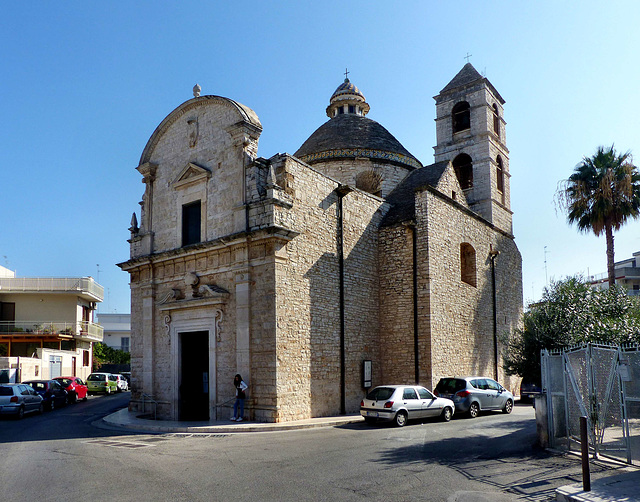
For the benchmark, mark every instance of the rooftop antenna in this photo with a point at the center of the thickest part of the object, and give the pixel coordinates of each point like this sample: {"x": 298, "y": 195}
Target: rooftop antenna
{"x": 98, "y": 282}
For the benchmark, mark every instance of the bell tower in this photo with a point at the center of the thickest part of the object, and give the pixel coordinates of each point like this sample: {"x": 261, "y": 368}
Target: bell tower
{"x": 471, "y": 133}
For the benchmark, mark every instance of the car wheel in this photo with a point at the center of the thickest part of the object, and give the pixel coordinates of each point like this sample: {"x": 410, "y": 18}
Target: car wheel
{"x": 41, "y": 409}
{"x": 20, "y": 414}
{"x": 446, "y": 414}
{"x": 52, "y": 404}
{"x": 108, "y": 390}
{"x": 508, "y": 407}
{"x": 85, "y": 397}
{"x": 474, "y": 410}
{"x": 72, "y": 398}
{"x": 401, "y": 419}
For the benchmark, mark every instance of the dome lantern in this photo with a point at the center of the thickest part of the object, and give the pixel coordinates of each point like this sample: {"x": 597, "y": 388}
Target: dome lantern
{"x": 347, "y": 99}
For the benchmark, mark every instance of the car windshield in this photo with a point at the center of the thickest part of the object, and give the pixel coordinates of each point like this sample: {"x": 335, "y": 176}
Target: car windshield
{"x": 450, "y": 385}
{"x": 95, "y": 378}
{"x": 6, "y": 391}
{"x": 380, "y": 393}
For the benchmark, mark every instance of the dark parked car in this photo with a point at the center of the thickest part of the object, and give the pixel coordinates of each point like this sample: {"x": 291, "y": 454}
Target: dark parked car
{"x": 18, "y": 399}
{"x": 529, "y": 389}
{"x": 53, "y": 394}
{"x": 76, "y": 388}
{"x": 473, "y": 394}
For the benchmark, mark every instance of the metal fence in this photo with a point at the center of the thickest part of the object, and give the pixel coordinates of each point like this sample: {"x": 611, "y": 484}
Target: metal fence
{"x": 601, "y": 382}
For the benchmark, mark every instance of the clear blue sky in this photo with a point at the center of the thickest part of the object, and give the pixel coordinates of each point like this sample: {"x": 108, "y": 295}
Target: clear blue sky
{"x": 84, "y": 85}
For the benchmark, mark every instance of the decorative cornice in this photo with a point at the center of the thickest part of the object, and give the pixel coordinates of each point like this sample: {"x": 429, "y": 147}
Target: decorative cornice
{"x": 239, "y": 238}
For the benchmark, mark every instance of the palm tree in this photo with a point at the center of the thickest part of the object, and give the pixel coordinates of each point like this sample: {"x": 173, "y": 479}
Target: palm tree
{"x": 601, "y": 195}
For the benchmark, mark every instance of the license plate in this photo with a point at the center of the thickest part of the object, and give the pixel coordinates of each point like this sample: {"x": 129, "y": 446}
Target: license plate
{"x": 372, "y": 414}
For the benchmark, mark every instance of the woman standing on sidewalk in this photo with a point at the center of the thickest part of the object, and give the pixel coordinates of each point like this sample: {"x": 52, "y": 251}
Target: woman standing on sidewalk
{"x": 241, "y": 387}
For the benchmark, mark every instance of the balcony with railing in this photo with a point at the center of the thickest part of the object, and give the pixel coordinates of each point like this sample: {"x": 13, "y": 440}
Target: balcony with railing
{"x": 82, "y": 286}
{"x": 79, "y": 330}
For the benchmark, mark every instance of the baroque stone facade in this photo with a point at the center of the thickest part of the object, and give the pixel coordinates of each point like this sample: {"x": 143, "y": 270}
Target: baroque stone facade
{"x": 294, "y": 270}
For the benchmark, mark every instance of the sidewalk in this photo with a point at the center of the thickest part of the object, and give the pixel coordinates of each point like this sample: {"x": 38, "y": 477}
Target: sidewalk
{"x": 129, "y": 420}
{"x": 619, "y": 487}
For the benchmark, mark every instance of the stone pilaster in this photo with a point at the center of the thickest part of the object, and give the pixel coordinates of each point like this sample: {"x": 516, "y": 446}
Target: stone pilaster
{"x": 243, "y": 317}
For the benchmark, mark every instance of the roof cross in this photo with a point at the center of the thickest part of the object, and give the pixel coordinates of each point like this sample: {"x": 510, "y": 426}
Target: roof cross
{"x": 346, "y": 74}
{"x": 468, "y": 56}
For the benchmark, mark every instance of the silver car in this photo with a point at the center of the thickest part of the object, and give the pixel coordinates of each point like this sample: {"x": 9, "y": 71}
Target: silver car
{"x": 18, "y": 399}
{"x": 473, "y": 394}
{"x": 399, "y": 403}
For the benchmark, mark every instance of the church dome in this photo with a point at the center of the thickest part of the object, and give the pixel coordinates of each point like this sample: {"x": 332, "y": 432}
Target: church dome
{"x": 354, "y": 136}
{"x": 349, "y": 134}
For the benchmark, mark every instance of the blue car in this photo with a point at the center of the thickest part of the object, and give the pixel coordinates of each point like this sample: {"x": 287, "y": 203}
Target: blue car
{"x": 53, "y": 394}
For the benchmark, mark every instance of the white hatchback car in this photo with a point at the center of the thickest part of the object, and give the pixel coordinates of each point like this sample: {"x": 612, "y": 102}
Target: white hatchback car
{"x": 399, "y": 403}
{"x": 121, "y": 383}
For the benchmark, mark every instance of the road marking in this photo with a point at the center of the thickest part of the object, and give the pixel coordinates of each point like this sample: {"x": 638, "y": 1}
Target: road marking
{"x": 118, "y": 444}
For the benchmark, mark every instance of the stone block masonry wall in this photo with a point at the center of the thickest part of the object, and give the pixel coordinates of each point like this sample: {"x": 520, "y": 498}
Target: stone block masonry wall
{"x": 460, "y": 318}
{"x": 346, "y": 170}
{"x": 308, "y": 289}
{"x": 396, "y": 307}
{"x": 362, "y": 215}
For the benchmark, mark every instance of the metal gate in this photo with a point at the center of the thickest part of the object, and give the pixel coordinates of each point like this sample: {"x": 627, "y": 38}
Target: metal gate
{"x": 55, "y": 366}
{"x": 600, "y": 382}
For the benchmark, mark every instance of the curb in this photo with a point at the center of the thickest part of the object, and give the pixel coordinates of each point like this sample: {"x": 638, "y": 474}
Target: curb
{"x": 127, "y": 420}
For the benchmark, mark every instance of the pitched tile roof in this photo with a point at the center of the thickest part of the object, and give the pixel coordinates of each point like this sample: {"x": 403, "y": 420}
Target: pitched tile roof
{"x": 402, "y": 198}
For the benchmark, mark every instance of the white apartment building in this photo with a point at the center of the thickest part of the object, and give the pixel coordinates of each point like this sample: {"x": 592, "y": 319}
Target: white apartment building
{"x": 47, "y": 326}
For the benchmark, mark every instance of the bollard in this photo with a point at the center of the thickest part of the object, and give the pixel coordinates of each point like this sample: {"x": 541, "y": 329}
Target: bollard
{"x": 584, "y": 445}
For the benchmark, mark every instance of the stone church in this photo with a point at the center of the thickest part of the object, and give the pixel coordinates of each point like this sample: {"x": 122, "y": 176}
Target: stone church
{"x": 315, "y": 275}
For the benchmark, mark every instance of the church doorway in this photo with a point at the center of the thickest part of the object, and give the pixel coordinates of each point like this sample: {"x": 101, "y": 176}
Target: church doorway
{"x": 194, "y": 376}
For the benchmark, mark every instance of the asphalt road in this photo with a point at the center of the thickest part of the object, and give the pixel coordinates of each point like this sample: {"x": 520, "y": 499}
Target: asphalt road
{"x": 67, "y": 455}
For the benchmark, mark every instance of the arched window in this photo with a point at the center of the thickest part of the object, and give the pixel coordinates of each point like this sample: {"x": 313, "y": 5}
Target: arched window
{"x": 496, "y": 120}
{"x": 461, "y": 115}
{"x": 369, "y": 181}
{"x": 468, "y": 264}
{"x": 463, "y": 168}
{"x": 500, "y": 174}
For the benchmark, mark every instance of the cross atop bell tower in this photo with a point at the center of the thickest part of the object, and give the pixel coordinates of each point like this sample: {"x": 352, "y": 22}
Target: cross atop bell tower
{"x": 471, "y": 134}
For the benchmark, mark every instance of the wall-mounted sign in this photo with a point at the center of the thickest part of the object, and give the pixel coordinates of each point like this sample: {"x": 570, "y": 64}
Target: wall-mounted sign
{"x": 366, "y": 374}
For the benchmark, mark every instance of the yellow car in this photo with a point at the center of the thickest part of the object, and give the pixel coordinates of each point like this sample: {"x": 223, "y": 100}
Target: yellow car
{"x": 102, "y": 382}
